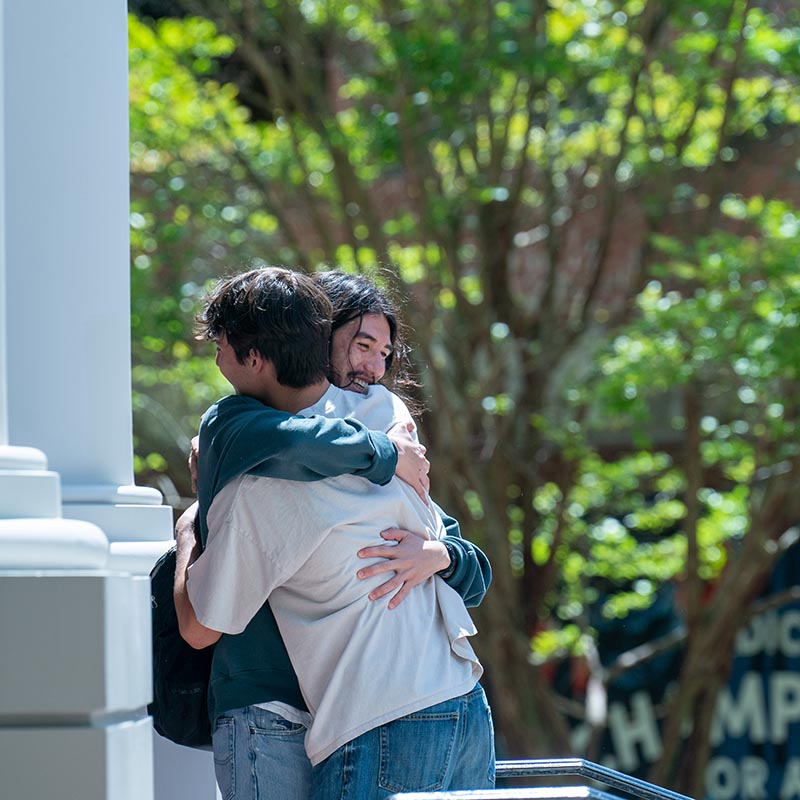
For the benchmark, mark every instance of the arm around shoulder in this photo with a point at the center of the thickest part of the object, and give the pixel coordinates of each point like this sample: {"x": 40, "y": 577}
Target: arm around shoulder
{"x": 244, "y": 435}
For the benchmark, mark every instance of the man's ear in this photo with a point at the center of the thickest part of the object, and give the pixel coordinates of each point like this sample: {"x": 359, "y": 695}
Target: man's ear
{"x": 254, "y": 360}
{"x": 257, "y": 362}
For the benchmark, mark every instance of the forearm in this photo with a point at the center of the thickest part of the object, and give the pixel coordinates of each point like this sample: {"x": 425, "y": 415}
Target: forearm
{"x": 322, "y": 447}
{"x": 243, "y": 435}
{"x": 187, "y": 551}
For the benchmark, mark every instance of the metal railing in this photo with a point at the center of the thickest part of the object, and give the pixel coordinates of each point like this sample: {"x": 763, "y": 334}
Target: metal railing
{"x": 642, "y": 790}
{"x": 530, "y": 793}
{"x": 632, "y": 787}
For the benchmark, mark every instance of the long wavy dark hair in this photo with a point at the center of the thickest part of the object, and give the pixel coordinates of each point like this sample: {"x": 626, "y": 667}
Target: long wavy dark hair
{"x": 353, "y": 296}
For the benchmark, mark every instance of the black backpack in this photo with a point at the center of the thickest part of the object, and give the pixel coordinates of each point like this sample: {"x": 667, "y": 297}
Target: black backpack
{"x": 180, "y": 673}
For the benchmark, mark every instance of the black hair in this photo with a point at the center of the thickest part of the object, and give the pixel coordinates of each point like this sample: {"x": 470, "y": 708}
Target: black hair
{"x": 283, "y": 315}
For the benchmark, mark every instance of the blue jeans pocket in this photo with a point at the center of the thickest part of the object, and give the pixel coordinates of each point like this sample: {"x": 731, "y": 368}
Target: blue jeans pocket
{"x": 416, "y": 751}
{"x": 267, "y": 723}
{"x": 224, "y": 741}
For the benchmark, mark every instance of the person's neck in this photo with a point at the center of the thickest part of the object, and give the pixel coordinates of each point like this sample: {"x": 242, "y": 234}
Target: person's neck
{"x": 287, "y": 398}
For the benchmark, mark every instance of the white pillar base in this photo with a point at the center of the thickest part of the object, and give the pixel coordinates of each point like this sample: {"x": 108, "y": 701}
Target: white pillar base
{"x": 125, "y": 523}
{"x": 21, "y": 458}
{"x": 27, "y": 488}
{"x": 138, "y": 527}
{"x": 81, "y": 646}
{"x": 76, "y": 679}
{"x": 32, "y": 533}
{"x": 30, "y": 493}
{"x": 46, "y": 544}
{"x": 110, "y": 762}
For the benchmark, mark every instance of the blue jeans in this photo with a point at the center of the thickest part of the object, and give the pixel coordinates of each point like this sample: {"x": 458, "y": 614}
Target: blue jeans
{"x": 444, "y": 747}
{"x": 259, "y": 755}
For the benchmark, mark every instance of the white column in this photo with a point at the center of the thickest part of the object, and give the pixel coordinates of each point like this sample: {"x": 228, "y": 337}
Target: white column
{"x": 75, "y": 665}
{"x": 67, "y": 187}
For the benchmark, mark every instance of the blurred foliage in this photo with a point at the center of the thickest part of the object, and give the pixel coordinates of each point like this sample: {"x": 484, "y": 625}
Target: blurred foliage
{"x": 182, "y": 232}
{"x": 578, "y": 199}
{"x": 729, "y": 326}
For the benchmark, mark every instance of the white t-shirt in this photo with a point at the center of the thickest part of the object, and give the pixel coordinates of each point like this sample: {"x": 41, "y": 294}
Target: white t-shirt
{"x": 359, "y": 664}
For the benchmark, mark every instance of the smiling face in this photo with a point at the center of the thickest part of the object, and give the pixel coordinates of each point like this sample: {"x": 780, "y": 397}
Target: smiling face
{"x": 359, "y": 351}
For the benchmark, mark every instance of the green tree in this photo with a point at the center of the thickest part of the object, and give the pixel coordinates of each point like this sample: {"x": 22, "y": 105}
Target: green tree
{"x": 516, "y": 164}
{"x": 723, "y": 340}
{"x": 187, "y": 198}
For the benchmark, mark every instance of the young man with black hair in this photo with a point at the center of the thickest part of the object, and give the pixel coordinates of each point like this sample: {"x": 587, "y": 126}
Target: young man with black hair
{"x": 292, "y": 542}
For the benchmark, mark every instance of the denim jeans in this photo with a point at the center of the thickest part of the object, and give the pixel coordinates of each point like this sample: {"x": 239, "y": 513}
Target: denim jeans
{"x": 259, "y": 755}
{"x": 444, "y": 747}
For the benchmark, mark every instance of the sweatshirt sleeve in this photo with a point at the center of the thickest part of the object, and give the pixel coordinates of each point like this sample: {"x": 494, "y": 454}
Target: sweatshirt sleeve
{"x": 241, "y": 435}
{"x": 469, "y": 572}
